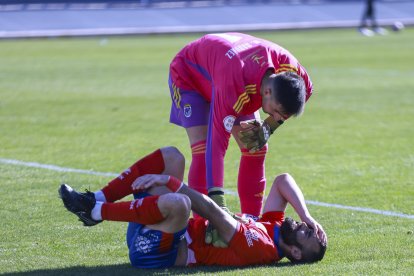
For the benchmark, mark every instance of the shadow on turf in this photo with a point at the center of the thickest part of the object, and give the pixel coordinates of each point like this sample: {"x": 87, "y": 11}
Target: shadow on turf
{"x": 126, "y": 269}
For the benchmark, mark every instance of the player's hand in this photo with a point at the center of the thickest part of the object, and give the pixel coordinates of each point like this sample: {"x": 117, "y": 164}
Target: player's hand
{"x": 213, "y": 237}
{"x": 317, "y": 228}
{"x": 150, "y": 180}
{"x": 255, "y": 134}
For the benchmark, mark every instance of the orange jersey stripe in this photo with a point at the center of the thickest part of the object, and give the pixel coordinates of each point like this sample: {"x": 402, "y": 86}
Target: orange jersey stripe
{"x": 244, "y": 97}
{"x": 288, "y": 66}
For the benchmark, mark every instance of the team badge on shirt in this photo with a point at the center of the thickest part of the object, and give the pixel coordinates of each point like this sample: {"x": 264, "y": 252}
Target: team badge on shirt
{"x": 229, "y": 122}
{"x": 187, "y": 110}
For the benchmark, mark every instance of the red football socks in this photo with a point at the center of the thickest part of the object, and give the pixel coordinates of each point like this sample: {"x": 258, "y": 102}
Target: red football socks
{"x": 197, "y": 173}
{"x": 252, "y": 181}
{"x": 121, "y": 186}
{"x": 143, "y": 210}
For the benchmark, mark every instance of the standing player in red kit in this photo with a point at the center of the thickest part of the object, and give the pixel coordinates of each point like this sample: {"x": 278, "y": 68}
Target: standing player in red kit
{"x": 218, "y": 83}
{"x": 161, "y": 233}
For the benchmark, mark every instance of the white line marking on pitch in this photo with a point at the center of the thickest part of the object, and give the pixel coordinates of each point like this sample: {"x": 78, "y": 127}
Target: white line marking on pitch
{"x": 90, "y": 172}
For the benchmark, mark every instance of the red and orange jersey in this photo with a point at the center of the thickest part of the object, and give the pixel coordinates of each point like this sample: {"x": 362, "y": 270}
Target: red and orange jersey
{"x": 253, "y": 243}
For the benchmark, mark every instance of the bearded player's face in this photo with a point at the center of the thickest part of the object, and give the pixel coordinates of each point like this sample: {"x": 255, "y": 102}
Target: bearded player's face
{"x": 298, "y": 234}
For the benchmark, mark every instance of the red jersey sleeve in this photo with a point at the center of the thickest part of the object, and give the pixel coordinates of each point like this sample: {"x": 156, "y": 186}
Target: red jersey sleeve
{"x": 273, "y": 217}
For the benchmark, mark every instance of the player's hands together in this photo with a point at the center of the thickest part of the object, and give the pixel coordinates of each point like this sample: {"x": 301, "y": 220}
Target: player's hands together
{"x": 254, "y": 135}
{"x": 150, "y": 180}
{"x": 317, "y": 228}
{"x": 212, "y": 235}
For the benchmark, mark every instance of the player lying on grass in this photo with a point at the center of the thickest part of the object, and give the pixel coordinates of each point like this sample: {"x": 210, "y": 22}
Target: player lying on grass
{"x": 160, "y": 233}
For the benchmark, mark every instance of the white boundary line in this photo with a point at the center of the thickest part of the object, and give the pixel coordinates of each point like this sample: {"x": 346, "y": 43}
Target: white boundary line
{"x": 117, "y": 31}
{"x": 90, "y": 172}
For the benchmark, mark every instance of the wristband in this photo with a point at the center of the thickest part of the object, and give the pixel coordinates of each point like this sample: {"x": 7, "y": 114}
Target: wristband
{"x": 273, "y": 125}
{"x": 217, "y": 195}
{"x": 174, "y": 184}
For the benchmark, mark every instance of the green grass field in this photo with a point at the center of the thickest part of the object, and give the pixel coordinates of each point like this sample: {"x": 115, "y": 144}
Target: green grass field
{"x": 86, "y": 104}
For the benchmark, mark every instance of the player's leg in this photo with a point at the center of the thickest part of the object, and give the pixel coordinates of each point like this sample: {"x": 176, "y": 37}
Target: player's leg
{"x": 121, "y": 185}
{"x": 167, "y": 212}
{"x": 251, "y": 180}
{"x": 87, "y": 206}
{"x": 157, "y": 245}
{"x": 156, "y": 206}
{"x": 197, "y": 173}
{"x": 191, "y": 111}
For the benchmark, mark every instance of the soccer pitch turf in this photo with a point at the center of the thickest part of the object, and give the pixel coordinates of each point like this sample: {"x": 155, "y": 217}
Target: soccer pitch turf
{"x": 98, "y": 104}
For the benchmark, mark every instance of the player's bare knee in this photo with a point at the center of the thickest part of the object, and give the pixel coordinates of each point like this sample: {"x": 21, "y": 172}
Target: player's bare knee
{"x": 173, "y": 157}
{"x": 182, "y": 205}
{"x": 177, "y": 204}
{"x": 282, "y": 178}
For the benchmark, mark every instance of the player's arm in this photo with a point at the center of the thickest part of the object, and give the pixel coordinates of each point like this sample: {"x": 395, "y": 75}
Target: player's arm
{"x": 224, "y": 223}
{"x": 285, "y": 190}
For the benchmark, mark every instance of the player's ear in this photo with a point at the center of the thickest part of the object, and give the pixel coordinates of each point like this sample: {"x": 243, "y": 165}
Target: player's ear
{"x": 295, "y": 252}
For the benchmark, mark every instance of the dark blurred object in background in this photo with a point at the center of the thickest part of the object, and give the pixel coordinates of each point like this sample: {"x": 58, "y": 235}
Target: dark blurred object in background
{"x": 369, "y": 20}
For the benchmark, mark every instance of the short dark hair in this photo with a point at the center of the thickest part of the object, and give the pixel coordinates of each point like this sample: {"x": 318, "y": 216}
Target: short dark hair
{"x": 290, "y": 91}
{"x": 310, "y": 257}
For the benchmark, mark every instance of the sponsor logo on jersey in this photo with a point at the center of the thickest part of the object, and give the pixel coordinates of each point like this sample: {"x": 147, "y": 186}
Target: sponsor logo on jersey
{"x": 251, "y": 235}
{"x": 229, "y": 122}
{"x": 187, "y": 110}
{"x": 259, "y": 59}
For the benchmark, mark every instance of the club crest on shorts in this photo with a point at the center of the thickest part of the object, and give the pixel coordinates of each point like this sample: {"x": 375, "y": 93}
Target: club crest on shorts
{"x": 145, "y": 243}
{"x": 229, "y": 122}
{"x": 187, "y": 110}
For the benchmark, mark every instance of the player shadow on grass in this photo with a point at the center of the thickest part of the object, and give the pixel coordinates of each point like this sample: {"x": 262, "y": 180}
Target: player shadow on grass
{"x": 127, "y": 269}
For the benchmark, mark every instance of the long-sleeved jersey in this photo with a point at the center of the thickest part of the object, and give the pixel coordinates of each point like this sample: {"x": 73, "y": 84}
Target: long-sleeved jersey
{"x": 227, "y": 69}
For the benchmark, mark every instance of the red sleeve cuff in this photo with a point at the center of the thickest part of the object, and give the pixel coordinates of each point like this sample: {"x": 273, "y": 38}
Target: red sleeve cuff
{"x": 273, "y": 216}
